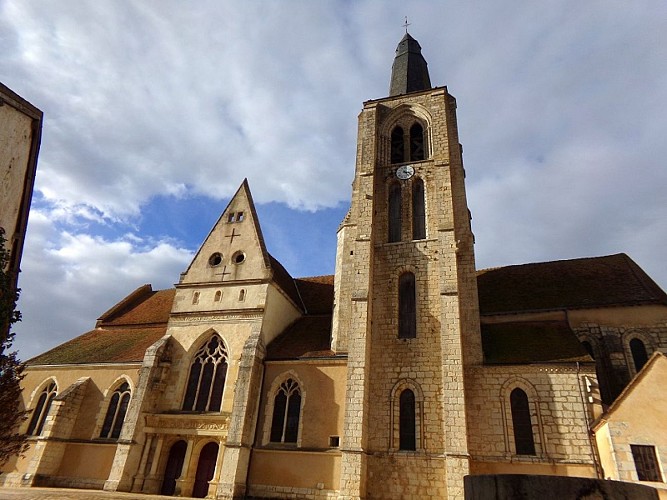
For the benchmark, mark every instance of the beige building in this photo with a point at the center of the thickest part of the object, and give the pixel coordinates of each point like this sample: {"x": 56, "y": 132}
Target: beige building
{"x": 395, "y": 378}
{"x": 20, "y": 136}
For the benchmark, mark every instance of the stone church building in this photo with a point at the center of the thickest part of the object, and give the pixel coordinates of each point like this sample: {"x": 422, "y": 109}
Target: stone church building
{"x": 405, "y": 371}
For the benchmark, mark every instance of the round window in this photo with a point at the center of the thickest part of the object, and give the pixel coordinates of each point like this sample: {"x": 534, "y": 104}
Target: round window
{"x": 238, "y": 258}
{"x": 215, "y": 259}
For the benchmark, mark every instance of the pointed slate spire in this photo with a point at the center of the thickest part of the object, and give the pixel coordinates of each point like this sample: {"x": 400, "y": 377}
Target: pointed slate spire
{"x": 409, "y": 73}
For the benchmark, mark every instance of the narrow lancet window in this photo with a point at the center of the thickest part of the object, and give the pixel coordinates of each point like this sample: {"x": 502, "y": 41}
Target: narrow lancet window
{"x": 395, "y": 211}
{"x": 418, "y": 210}
{"x": 416, "y": 142}
{"x": 206, "y": 382}
{"x": 407, "y": 313}
{"x": 397, "y": 146}
{"x": 523, "y": 428}
{"x": 407, "y": 421}
{"x": 639, "y": 355}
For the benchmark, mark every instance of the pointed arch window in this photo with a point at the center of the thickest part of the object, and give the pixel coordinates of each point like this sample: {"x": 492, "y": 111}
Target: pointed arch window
{"x": 41, "y": 409}
{"x": 286, "y": 413}
{"x": 416, "y": 142}
{"x": 206, "y": 381}
{"x": 521, "y": 423}
{"x": 639, "y": 354}
{"x": 407, "y": 307}
{"x": 113, "y": 422}
{"x": 407, "y": 421}
{"x": 418, "y": 210}
{"x": 397, "y": 145}
{"x": 395, "y": 213}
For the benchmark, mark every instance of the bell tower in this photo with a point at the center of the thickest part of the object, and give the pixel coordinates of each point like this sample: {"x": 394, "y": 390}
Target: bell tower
{"x": 406, "y": 310}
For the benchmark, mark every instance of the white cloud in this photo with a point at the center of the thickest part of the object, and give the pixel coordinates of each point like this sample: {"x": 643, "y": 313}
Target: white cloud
{"x": 559, "y": 107}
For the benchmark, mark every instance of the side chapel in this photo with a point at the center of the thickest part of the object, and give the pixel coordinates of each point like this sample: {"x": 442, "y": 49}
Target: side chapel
{"x": 394, "y": 378}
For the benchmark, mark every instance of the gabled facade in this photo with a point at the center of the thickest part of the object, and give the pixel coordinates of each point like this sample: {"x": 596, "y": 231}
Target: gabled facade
{"x": 395, "y": 378}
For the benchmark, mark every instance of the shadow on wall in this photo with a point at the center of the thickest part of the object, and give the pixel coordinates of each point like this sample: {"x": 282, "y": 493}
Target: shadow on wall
{"x": 515, "y": 486}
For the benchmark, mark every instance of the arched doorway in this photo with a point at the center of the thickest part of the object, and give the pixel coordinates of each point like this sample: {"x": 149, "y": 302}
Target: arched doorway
{"x": 173, "y": 468}
{"x": 205, "y": 470}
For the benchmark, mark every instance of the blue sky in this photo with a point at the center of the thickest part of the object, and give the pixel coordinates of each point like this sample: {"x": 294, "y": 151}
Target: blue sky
{"x": 155, "y": 112}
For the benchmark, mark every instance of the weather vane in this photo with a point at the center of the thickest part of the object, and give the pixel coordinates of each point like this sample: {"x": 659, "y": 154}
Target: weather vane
{"x": 406, "y": 24}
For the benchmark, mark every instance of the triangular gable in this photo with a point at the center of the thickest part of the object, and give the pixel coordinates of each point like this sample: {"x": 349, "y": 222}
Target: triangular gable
{"x": 234, "y": 249}
{"x": 644, "y": 390}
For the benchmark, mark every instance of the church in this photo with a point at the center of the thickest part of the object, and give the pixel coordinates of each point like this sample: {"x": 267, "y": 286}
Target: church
{"x": 405, "y": 372}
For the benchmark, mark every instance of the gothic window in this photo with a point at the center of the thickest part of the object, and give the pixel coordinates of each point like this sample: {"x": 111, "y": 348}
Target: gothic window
{"x": 41, "y": 409}
{"x": 113, "y": 422}
{"x": 407, "y": 307}
{"x": 639, "y": 355}
{"x": 523, "y": 429}
{"x": 395, "y": 210}
{"x": 207, "y": 377}
{"x": 286, "y": 413}
{"x": 397, "y": 147}
{"x": 416, "y": 142}
{"x": 407, "y": 421}
{"x": 646, "y": 463}
{"x": 418, "y": 210}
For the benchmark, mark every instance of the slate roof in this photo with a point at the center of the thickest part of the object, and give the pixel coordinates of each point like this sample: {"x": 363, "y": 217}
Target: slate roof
{"x": 122, "y": 335}
{"x": 409, "y": 72}
{"x": 612, "y": 280}
{"x": 307, "y": 337}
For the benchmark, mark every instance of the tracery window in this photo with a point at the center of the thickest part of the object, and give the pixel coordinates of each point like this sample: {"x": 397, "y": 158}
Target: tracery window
{"x": 407, "y": 307}
{"x": 206, "y": 381}
{"x": 113, "y": 422}
{"x": 521, "y": 422}
{"x": 410, "y": 146}
{"x": 639, "y": 355}
{"x": 407, "y": 421}
{"x": 286, "y": 413}
{"x": 41, "y": 409}
{"x": 395, "y": 212}
{"x": 418, "y": 210}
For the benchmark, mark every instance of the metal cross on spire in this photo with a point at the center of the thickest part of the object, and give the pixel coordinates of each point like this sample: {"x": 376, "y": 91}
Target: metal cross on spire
{"x": 406, "y": 24}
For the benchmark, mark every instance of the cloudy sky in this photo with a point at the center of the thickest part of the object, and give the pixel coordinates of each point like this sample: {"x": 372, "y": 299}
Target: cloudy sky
{"x": 155, "y": 112}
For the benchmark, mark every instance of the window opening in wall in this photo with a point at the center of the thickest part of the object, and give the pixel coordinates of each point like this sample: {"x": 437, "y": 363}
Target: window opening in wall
{"x": 286, "y": 413}
{"x": 639, "y": 355}
{"x": 407, "y": 313}
{"x": 523, "y": 428}
{"x": 218, "y": 296}
{"x": 241, "y": 295}
{"x": 207, "y": 377}
{"x": 230, "y": 217}
{"x": 195, "y": 298}
{"x": 239, "y": 217}
{"x": 416, "y": 142}
{"x": 418, "y": 210}
{"x": 41, "y": 410}
{"x": 215, "y": 259}
{"x": 407, "y": 421}
{"x": 334, "y": 441}
{"x": 646, "y": 463}
{"x": 238, "y": 258}
{"x": 113, "y": 422}
{"x": 395, "y": 211}
{"x": 397, "y": 145}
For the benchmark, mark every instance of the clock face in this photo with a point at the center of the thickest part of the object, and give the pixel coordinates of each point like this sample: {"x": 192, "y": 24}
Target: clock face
{"x": 405, "y": 172}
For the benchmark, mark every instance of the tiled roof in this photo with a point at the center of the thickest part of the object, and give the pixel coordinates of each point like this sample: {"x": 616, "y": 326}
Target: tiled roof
{"x": 103, "y": 345}
{"x": 317, "y": 293}
{"x": 613, "y": 280}
{"x": 307, "y": 337}
{"x": 123, "y": 333}
{"x": 531, "y": 342}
